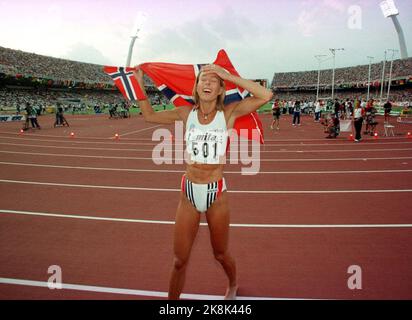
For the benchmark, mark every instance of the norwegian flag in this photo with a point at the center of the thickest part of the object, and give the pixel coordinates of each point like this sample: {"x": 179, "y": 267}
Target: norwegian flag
{"x": 176, "y": 82}
{"x": 126, "y": 82}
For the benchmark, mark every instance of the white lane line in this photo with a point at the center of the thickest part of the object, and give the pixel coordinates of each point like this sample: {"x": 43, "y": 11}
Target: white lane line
{"x": 83, "y": 148}
{"x": 87, "y": 186}
{"x": 172, "y": 160}
{"x": 133, "y": 292}
{"x": 110, "y": 141}
{"x": 137, "y": 131}
{"x": 75, "y": 216}
{"x": 204, "y": 224}
{"x": 183, "y": 171}
{"x": 172, "y": 149}
{"x": 71, "y": 141}
{"x": 93, "y": 168}
{"x": 342, "y": 140}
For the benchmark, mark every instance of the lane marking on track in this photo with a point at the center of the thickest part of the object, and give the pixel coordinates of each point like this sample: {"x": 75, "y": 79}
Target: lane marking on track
{"x": 172, "y": 160}
{"x": 133, "y": 292}
{"x": 343, "y": 140}
{"x": 110, "y": 141}
{"x": 183, "y": 171}
{"x": 137, "y": 131}
{"x": 172, "y": 149}
{"x": 87, "y": 186}
{"x": 204, "y": 224}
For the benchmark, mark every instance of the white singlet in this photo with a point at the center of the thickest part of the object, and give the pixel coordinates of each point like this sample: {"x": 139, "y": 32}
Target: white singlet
{"x": 206, "y": 143}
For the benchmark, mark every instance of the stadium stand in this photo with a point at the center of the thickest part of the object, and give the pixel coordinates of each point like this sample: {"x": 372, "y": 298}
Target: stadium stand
{"x": 350, "y": 82}
{"x": 43, "y": 81}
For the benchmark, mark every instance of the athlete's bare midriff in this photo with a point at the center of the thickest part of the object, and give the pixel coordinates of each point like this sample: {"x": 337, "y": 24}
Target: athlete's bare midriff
{"x": 204, "y": 173}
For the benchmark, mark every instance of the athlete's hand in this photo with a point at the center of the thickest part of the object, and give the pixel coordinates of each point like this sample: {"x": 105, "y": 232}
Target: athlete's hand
{"x": 139, "y": 75}
{"x": 215, "y": 69}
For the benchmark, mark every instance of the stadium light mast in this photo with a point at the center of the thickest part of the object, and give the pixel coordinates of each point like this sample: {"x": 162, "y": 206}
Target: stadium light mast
{"x": 141, "y": 17}
{"x": 390, "y": 72}
{"x": 383, "y": 77}
{"x": 389, "y": 10}
{"x": 129, "y": 55}
{"x": 319, "y": 58}
{"x": 333, "y": 50}
{"x": 369, "y": 76}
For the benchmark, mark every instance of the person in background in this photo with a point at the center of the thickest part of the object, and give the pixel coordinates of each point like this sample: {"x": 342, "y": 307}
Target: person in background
{"x": 296, "y": 113}
{"x": 337, "y": 107}
{"x": 388, "y": 108}
{"x": 357, "y": 117}
{"x": 333, "y": 127}
{"x": 32, "y": 115}
{"x": 317, "y": 111}
{"x": 276, "y": 114}
{"x": 60, "y": 119}
{"x": 368, "y": 115}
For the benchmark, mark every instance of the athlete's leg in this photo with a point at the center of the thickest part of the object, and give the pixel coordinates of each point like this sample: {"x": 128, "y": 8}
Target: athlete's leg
{"x": 273, "y": 122}
{"x": 218, "y": 217}
{"x": 185, "y": 230}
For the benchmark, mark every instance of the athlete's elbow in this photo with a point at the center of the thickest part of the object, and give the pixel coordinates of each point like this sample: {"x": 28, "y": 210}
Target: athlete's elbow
{"x": 151, "y": 118}
{"x": 268, "y": 96}
{"x": 148, "y": 117}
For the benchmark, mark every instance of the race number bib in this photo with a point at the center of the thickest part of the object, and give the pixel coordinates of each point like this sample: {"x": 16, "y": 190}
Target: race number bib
{"x": 206, "y": 146}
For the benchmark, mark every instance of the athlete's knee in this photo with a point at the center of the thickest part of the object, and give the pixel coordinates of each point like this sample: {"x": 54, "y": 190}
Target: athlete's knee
{"x": 221, "y": 256}
{"x": 179, "y": 263}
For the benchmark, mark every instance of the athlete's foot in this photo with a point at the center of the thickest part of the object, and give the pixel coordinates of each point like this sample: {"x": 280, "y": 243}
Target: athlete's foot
{"x": 231, "y": 293}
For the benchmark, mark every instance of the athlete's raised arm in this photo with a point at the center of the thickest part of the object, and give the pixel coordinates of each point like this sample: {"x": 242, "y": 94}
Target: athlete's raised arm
{"x": 161, "y": 117}
{"x": 260, "y": 95}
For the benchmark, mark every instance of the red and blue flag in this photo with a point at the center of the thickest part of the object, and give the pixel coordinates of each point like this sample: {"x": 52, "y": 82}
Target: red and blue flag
{"x": 176, "y": 82}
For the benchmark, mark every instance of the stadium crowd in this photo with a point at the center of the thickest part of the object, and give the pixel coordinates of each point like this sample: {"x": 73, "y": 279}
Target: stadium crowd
{"x": 16, "y": 62}
{"x": 350, "y": 75}
{"x": 400, "y": 96}
{"x": 15, "y": 99}
{"x": 17, "y": 65}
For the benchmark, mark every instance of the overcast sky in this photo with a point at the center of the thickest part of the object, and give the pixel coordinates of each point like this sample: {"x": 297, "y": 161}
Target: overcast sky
{"x": 260, "y": 36}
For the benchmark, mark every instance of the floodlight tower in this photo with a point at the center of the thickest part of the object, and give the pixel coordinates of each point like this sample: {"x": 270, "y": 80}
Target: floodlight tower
{"x": 389, "y": 10}
{"x": 369, "y": 76}
{"x": 129, "y": 55}
{"x": 333, "y": 72}
{"x": 139, "y": 23}
{"x": 383, "y": 76}
{"x": 390, "y": 72}
{"x": 319, "y": 58}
